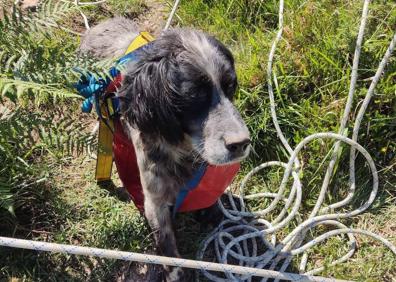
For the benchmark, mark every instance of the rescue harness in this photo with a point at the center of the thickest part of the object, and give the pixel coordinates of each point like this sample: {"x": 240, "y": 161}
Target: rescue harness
{"x": 201, "y": 191}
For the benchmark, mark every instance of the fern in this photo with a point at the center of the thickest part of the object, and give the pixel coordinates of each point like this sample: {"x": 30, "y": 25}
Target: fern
{"x": 38, "y": 65}
{"x": 26, "y": 137}
{"x": 16, "y": 89}
{"x": 37, "y": 57}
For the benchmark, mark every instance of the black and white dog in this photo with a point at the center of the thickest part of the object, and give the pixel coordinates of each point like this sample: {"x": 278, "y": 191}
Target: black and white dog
{"x": 177, "y": 109}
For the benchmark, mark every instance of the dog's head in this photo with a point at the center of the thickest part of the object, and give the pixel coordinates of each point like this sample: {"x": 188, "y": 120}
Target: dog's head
{"x": 181, "y": 88}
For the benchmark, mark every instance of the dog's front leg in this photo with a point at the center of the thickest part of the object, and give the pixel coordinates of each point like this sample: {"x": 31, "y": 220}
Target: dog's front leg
{"x": 159, "y": 217}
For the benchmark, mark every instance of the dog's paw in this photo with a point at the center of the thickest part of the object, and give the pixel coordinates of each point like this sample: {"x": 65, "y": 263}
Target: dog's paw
{"x": 210, "y": 217}
{"x": 175, "y": 274}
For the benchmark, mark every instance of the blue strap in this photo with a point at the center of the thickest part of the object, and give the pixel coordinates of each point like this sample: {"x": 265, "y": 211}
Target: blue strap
{"x": 189, "y": 186}
{"x": 91, "y": 87}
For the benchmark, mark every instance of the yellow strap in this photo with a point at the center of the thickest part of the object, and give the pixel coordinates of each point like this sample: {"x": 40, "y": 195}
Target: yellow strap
{"x": 142, "y": 39}
{"x": 104, "y": 162}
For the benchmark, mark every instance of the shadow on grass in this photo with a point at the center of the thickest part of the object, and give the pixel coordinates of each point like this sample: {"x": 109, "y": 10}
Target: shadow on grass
{"x": 84, "y": 217}
{"x": 37, "y": 216}
{"x": 119, "y": 193}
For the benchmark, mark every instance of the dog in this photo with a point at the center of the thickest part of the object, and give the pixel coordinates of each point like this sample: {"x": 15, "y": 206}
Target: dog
{"x": 176, "y": 108}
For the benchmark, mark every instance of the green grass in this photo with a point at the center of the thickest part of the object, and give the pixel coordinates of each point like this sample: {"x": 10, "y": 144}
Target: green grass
{"x": 312, "y": 71}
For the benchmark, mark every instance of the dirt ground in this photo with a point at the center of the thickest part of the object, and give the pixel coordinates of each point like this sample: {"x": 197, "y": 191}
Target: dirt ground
{"x": 155, "y": 18}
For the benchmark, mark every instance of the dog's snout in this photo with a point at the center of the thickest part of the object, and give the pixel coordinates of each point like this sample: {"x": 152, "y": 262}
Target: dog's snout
{"x": 237, "y": 145}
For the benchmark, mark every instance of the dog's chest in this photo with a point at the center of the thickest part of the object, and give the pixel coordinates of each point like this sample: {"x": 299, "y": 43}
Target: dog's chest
{"x": 162, "y": 169}
{"x": 161, "y": 177}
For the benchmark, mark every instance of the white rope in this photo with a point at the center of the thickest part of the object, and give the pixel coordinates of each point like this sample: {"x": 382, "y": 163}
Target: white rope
{"x": 171, "y": 15}
{"x": 79, "y": 4}
{"x": 344, "y": 120}
{"x": 238, "y": 238}
{"x": 91, "y": 3}
{"x": 152, "y": 259}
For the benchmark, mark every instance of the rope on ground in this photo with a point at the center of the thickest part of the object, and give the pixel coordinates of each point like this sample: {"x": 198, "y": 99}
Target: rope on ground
{"x": 172, "y": 14}
{"x": 79, "y": 4}
{"x": 241, "y": 237}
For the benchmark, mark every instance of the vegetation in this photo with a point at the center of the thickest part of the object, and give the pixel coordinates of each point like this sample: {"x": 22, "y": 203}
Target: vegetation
{"x": 47, "y": 190}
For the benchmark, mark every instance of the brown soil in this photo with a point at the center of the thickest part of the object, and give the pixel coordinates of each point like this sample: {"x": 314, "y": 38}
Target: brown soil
{"x": 155, "y": 18}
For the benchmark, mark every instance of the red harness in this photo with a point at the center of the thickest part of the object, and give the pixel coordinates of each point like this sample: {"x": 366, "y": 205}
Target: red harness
{"x": 197, "y": 193}
{"x": 212, "y": 185}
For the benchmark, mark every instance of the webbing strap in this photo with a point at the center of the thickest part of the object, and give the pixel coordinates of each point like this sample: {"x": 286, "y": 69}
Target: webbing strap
{"x": 189, "y": 186}
{"x": 104, "y": 161}
{"x": 143, "y": 38}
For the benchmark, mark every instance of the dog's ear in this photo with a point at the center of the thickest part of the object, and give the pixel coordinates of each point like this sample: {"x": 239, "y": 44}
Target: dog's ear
{"x": 147, "y": 97}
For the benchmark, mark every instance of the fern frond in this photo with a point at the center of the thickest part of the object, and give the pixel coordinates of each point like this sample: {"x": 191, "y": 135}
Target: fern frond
{"x": 47, "y": 16}
{"x": 26, "y": 137}
{"x": 16, "y": 89}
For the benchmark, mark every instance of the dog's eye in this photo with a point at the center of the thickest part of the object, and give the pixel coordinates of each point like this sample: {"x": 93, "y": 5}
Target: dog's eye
{"x": 196, "y": 102}
{"x": 229, "y": 87}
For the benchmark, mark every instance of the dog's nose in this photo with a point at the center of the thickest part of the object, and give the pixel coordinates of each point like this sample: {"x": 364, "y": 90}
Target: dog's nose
{"x": 237, "y": 146}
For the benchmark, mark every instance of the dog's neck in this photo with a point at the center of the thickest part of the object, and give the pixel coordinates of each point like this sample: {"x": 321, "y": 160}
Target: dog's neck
{"x": 154, "y": 153}
{"x": 177, "y": 160}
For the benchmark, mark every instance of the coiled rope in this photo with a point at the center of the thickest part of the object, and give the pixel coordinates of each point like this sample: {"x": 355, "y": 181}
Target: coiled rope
{"x": 229, "y": 244}
{"x": 239, "y": 236}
